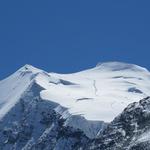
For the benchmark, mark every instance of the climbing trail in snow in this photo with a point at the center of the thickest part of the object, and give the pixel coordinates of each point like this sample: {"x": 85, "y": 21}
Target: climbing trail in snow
{"x": 95, "y": 88}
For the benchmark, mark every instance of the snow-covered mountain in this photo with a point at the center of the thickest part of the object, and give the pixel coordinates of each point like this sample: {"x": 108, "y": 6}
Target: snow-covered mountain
{"x": 41, "y": 110}
{"x": 102, "y": 92}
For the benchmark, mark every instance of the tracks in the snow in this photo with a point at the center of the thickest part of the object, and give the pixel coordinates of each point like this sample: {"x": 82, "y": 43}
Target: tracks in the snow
{"x": 95, "y": 88}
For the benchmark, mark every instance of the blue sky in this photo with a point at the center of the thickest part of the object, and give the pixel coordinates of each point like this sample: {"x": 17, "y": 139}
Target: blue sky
{"x": 68, "y": 36}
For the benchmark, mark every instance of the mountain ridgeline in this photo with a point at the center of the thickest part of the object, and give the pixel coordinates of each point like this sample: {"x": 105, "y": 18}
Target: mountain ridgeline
{"x": 103, "y": 108}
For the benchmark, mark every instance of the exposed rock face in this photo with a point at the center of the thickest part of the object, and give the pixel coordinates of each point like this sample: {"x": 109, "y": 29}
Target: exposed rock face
{"x": 129, "y": 131}
{"x": 33, "y": 124}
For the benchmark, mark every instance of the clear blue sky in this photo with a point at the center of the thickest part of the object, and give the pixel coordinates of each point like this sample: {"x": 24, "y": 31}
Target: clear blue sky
{"x": 67, "y": 36}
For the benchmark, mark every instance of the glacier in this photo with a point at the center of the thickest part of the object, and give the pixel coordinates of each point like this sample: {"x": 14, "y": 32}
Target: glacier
{"x": 37, "y": 106}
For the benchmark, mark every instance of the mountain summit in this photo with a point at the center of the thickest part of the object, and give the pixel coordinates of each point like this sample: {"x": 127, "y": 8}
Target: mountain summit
{"x": 109, "y": 88}
{"x": 41, "y": 110}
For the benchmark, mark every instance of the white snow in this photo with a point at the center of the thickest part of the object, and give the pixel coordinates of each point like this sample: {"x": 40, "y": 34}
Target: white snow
{"x": 100, "y": 93}
{"x": 14, "y": 86}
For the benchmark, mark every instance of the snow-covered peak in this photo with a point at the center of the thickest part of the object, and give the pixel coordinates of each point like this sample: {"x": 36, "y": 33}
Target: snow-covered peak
{"x": 29, "y": 68}
{"x": 12, "y": 88}
{"x": 108, "y": 88}
{"x": 36, "y": 106}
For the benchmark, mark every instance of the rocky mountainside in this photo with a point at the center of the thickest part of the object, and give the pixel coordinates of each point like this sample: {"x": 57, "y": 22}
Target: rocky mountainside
{"x": 50, "y": 111}
{"x": 129, "y": 131}
{"x": 34, "y": 124}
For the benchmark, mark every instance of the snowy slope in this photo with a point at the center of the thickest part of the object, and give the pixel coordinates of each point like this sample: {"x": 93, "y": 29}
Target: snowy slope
{"x": 14, "y": 86}
{"x": 33, "y": 124}
{"x": 100, "y": 93}
{"x": 18, "y": 86}
{"x": 47, "y": 111}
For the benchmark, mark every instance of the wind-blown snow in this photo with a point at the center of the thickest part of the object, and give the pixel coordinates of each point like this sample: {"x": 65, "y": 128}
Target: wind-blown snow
{"x": 100, "y": 93}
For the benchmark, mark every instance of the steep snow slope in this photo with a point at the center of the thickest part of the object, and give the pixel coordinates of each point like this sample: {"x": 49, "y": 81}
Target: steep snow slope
{"x": 16, "y": 87}
{"x": 33, "y": 124}
{"x": 100, "y": 93}
{"x": 13, "y": 87}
